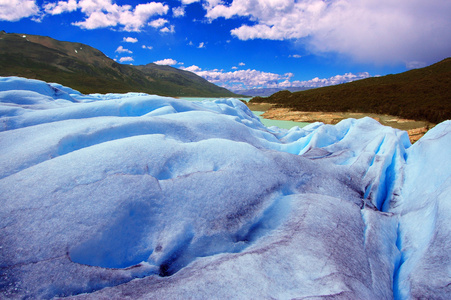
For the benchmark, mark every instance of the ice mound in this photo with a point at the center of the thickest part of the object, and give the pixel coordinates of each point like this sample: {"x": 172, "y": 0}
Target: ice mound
{"x": 139, "y": 196}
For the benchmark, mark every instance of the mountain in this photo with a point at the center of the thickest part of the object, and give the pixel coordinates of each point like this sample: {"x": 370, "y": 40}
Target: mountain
{"x": 176, "y": 82}
{"x": 420, "y": 94}
{"x": 90, "y": 71}
{"x": 264, "y": 92}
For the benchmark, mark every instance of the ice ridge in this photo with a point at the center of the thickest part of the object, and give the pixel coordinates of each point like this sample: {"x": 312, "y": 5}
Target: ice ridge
{"x": 138, "y": 196}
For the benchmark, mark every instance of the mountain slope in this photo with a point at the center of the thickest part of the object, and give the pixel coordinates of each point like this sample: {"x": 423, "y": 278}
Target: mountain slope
{"x": 265, "y": 92}
{"x": 88, "y": 70}
{"x": 172, "y": 80}
{"x": 420, "y": 94}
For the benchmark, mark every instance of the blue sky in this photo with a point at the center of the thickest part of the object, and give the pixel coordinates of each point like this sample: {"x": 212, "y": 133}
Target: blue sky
{"x": 250, "y": 43}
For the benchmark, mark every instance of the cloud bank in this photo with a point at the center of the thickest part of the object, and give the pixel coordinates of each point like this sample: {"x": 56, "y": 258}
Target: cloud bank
{"x": 239, "y": 77}
{"x": 105, "y": 13}
{"x": 377, "y": 31}
{"x": 97, "y": 13}
{"x": 246, "y": 79}
{"x": 337, "y": 79}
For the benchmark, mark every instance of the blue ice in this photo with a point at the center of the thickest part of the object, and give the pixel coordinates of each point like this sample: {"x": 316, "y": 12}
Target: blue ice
{"x": 139, "y": 196}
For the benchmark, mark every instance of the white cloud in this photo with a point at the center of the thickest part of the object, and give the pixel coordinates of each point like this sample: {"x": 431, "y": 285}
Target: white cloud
{"x": 247, "y": 79}
{"x": 201, "y": 45}
{"x": 178, "y": 11}
{"x": 296, "y": 56}
{"x": 166, "y": 62}
{"x": 377, "y": 31}
{"x": 192, "y": 68}
{"x": 121, "y": 49}
{"x": 133, "y": 21}
{"x": 337, "y": 79}
{"x": 170, "y": 29}
{"x": 158, "y": 23}
{"x": 130, "y": 40}
{"x": 60, "y": 7}
{"x": 147, "y": 47}
{"x": 126, "y": 58}
{"x": 105, "y": 13}
{"x": 14, "y": 10}
{"x": 189, "y": 1}
{"x": 241, "y": 64}
{"x": 285, "y": 84}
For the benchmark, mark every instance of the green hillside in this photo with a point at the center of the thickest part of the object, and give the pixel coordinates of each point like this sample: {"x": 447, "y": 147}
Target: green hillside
{"x": 88, "y": 70}
{"x": 420, "y": 94}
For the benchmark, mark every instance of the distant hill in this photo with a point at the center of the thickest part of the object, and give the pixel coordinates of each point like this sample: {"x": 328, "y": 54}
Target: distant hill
{"x": 90, "y": 71}
{"x": 420, "y": 94}
{"x": 265, "y": 92}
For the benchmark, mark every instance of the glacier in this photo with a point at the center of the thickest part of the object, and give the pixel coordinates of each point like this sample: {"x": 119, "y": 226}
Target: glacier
{"x": 136, "y": 196}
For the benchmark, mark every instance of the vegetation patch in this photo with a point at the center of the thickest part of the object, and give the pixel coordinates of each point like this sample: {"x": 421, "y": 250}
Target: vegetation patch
{"x": 420, "y": 94}
{"x": 88, "y": 70}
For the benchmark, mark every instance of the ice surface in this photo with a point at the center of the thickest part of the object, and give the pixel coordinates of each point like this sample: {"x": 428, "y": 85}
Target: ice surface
{"x": 138, "y": 196}
{"x": 425, "y": 222}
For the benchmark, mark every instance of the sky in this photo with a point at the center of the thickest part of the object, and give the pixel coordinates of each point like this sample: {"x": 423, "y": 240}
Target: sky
{"x": 244, "y": 44}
